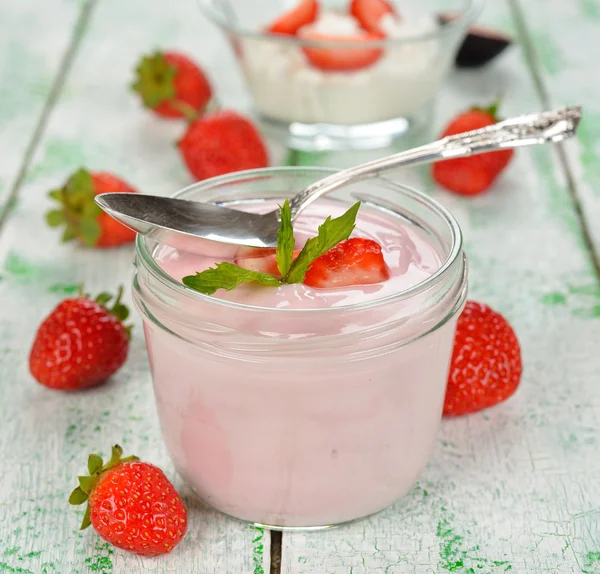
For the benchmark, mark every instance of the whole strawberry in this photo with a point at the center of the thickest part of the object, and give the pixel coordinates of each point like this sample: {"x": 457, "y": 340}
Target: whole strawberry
{"x": 486, "y": 362}
{"x": 471, "y": 175}
{"x": 222, "y": 143}
{"x": 81, "y": 343}
{"x": 81, "y": 218}
{"x": 172, "y": 85}
{"x": 131, "y": 504}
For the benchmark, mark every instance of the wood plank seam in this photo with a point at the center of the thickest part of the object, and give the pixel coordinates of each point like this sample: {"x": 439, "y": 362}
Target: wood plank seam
{"x": 533, "y": 66}
{"x": 276, "y": 539}
{"x": 81, "y": 26}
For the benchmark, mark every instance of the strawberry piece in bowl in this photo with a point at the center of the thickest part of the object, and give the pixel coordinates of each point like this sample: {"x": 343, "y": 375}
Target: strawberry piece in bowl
{"x": 356, "y": 261}
{"x": 370, "y": 12}
{"x": 261, "y": 260}
{"x": 288, "y": 24}
{"x": 346, "y": 58}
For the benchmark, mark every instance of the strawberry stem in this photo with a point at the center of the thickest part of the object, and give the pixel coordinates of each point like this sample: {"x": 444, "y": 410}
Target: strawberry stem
{"x": 189, "y": 113}
{"x": 492, "y": 109}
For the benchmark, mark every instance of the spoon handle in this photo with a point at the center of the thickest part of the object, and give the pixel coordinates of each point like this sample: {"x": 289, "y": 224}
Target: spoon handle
{"x": 530, "y": 129}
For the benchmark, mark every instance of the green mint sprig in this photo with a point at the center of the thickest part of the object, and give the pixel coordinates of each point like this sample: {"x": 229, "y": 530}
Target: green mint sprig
{"x": 228, "y": 276}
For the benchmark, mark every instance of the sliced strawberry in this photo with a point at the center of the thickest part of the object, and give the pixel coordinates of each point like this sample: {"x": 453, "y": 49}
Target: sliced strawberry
{"x": 370, "y": 12}
{"x": 304, "y": 13}
{"x": 356, "y": 261}
{"x": 345, "y": 58}
{"x": 261, "y": 260}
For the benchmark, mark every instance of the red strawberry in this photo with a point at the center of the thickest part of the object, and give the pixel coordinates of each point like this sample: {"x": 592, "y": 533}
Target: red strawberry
{"x": 355, "y": 261}
{"x": 471, "y": 175}
{"x": 221, "y": 143}
{"x": 370, "y": 12}
{"x": 486, "y": 361}
{"x": 82, "y": 218}
{"x": 261, "y": 260}
{"x": 81, "y": 343}
{"x": 131, "y": 504}
{"x": 304, "y": 13}
{"x": 345, "y": 58}
{"x": 172, "y": 85}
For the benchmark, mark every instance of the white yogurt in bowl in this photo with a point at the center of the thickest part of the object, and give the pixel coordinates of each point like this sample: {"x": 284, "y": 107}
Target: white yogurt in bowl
{"x": 285, "y": 86}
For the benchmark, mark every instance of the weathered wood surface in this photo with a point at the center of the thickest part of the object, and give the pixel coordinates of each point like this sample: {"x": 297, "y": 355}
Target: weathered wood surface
{"x": 513, "y": 489}
{"x": 34, "y": 45}
{"x": 564, "y": 37}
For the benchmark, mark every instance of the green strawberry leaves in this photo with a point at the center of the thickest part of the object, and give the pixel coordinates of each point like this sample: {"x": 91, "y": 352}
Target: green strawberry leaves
{"x": 96, "y": 468}
{"x": 94, "y": 463}
{"x": 154, "y": 80}
{"x": 492, "y": 109}
{"x": 77, "y": 211}
{"x": 228, "y": 276}
{"x": 118, "y": 309}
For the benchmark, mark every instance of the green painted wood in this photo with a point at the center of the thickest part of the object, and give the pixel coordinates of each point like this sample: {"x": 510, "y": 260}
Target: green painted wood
{"x": 515, "y": 488}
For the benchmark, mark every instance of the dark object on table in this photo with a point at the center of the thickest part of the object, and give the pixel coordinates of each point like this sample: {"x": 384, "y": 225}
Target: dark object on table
{"x": 480, "y": 46}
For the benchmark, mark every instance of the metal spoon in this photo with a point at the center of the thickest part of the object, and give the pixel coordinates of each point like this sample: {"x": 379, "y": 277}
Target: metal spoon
{"x": 205, "y": 227}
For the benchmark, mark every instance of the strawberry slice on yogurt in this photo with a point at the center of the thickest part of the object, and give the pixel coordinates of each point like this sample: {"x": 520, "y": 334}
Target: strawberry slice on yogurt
{"x": 288, "y": 24}
{"x": 370, "y": 13}
{"x": 261, "y": 260}
{"x": 356, "y": 261}
{"x": 343, "y": 59}
{"x": 334, "y": 28}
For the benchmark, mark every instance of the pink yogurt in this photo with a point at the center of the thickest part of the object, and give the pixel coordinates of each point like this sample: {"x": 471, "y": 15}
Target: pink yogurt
{"x": 301, "y": 407}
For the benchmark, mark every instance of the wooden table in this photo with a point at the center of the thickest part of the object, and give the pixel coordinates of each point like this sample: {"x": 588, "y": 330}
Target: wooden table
{"x": 516, "y": 488}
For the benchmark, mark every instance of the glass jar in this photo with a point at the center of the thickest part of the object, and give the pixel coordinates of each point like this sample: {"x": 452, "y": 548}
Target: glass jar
{"x": 317, "y": 108}
{"x": 295, "y": 418}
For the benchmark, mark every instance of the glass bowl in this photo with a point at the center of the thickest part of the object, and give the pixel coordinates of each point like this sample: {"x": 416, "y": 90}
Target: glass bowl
{"x": 303, "y": 418}
{"x": 391, "y": 93}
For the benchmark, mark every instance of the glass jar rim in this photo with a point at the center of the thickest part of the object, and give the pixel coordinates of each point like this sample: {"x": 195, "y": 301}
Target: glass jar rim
{"x": 455, "y": 252}
{"x": 464, "y": 19}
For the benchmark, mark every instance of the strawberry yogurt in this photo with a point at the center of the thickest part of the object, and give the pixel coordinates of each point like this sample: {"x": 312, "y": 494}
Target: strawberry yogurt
{"x": 298, "y": 407}
{"x": 286, "y": 87}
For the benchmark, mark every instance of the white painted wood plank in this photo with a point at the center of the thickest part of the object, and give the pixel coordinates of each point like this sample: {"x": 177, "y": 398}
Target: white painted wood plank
{"x": 47, "y": 435}
{"x": 514, "y": 488}
{"x": 33, "y": 41}
{"x": 565, "y": 38}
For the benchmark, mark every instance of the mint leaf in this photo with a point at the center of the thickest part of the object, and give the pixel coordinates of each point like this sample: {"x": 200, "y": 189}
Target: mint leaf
{"x": 331, "y": 232}
{"x": 285, "y": 240}
{"x": 226, "y": 276}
